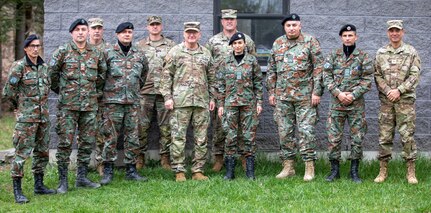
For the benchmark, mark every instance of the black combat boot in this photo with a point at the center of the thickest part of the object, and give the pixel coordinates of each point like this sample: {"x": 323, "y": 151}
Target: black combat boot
{"x": 108, "y": 173}
{"x": 335, "y": 171}
{"x": 82, "y": 180}
{"x": 17, "y": 191}
{"x": 354, "y": 167}
{"x": 229, "y": 162}
{"x": 249, "y": 167}
{"x": 63, "y": 186}
{"x": 39, "y": 187}
{"x": 132, "y": 174}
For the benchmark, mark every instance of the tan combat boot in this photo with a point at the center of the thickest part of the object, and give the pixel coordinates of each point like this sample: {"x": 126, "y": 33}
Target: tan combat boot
{"x": 218, "y": 163}
{"x": 411, "y": 173}
{"x": 383, "y": 174}
{"x": 180, "y": 177}
{"x": 165, "y": 161}
{"x": 309, "y": 171}
{"x": 140, "y": 162}
{"x": 288, "y": 169}
{"x": 199, "y": 176}
{"x": 100, "y": 168}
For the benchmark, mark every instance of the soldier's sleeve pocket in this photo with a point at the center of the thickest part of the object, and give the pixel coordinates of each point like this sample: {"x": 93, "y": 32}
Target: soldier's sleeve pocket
{"x": 279, "y": 57}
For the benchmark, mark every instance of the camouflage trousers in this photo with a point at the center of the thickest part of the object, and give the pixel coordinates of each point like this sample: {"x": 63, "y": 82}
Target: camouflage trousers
{"x": 116, "y": 117}
{"x": 99, "y": 138}
{"x": 244, "y": 118}
{"x": 403, "y": 115}
{"x": 301, "y": 114}
{"x": 28, "y": 137}
{"x": 67, "y": 122}
{"x": 181, "y": 117}
{"x": 335, "y": 128}
{"x": 151, "y": 104}
{"x": 219, "y": 135}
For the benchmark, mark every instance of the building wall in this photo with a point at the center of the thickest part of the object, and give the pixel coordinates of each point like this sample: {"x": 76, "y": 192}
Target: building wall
{"x": 322, "y": 19}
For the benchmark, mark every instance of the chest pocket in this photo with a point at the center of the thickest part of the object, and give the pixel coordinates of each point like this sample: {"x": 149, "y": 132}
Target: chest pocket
{"x": 91, "y": 70}
{"x": 302, "y": 62}
{"x": 71, "y": 70}
{"x": 116, "y": 68}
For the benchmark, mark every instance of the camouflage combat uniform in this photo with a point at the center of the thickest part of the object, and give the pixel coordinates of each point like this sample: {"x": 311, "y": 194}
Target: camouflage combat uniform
{"x": 353, "y": 74}
{"x": 397, "y": 69}
{"x": 240, "y": 92}
{"x": 219, "y": 47}
{"x": 294, "y": 74}
{"x": 155, "y": 51}
{"x": 188, "y": 79}
{"x": 78, "y": 77}
{"x": 28, "y": 87}
{"x": 125, "y": 77}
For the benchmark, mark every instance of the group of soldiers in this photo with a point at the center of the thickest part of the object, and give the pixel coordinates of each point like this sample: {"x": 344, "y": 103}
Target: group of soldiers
{"x": 107, "y": 89}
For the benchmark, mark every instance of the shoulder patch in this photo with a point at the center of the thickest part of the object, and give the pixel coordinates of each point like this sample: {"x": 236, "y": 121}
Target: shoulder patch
{"x": 327, "y": 65}
{"x": 13, "y": 80}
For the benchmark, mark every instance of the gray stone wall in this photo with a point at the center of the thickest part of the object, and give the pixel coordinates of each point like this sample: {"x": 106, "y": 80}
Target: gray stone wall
{"x": 319, "y": 18}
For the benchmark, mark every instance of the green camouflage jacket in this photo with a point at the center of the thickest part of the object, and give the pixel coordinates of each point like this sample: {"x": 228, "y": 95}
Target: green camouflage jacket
{"x": 397, "y": 69}
{"x": 295, "y": 68}
{"x": 78, "y": 77}
{"x": 240, "y": 84}
{"x": 353, "y": 74}
{"x": 28, "y": 88}
{"x": 188, "y": 77}
{"x": 125, "y": 76}
{"x": 155, "y": 51}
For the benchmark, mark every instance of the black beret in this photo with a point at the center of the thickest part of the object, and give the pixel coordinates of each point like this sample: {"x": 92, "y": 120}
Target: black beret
{"x": 123, "y": 26}
{"x": 347, "y": 27}
{"x": 77, "y": 22}
{"x": 237, "y": 36}
{"x": 291, "y": 17}
{"x": 29, "y": 39}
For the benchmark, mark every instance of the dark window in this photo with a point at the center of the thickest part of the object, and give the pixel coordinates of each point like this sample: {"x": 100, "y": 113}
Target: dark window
{"x": 260, "y": 19}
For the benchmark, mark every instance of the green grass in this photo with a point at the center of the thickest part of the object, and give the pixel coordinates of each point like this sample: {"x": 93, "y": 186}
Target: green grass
{"x": 7, "y": 124}
{"x": 267, "y": 194}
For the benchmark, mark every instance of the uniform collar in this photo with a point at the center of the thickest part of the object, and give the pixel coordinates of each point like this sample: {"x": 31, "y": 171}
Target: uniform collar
{"x": 30, "y": 63}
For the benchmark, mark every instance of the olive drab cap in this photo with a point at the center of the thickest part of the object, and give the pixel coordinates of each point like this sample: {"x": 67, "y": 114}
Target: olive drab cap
{"x": 395, "y": 24}
{"x": 93, "y": 22}
{"x": 77, "y": 22}
{"x": 154, "y": 19}
{"x": 228, "y": 13}
{"x": 196, "y": 26}
{"x": 291, "y": 17}
{"x": 347, "y": 27}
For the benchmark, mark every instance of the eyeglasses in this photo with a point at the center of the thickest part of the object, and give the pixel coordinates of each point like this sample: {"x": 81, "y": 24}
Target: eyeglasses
{"x": 32, "y": 46}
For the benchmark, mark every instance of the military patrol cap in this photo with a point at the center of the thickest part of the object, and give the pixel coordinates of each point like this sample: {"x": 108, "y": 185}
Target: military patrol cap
{"x": 77, "y": 22}
{"x": 154, "y": 19}
{"x": 291, "y": 17}
{"x": 237, "y": 36}
{"x": 29, "y": 39}
{"x": 228, "y": 13}
{"x": 123, "y": 26}
{"x": 93, "y": 22}
{"x": 347, "y": 27}
{"x": 395, "y": 24}
{"x": 196, "y": 26}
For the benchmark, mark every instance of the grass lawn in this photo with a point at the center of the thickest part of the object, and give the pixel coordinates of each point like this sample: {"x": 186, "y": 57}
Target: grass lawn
{"x": 267, "y": 194}
{"x": 7, "y": 124}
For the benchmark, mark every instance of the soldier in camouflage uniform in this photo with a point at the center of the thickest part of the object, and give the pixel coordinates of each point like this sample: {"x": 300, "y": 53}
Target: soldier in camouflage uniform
{"x": 127, "y": 70}
{"x": 240, "y": 98}
{"x": 294, "y": 86}
{"x": 219, "y": 47}
{"x": 348, "y": 72}
{"x": 155, "y": 46}
{"x": 397, "y": 68}
{"x": 187, "y": 85}
{"x": 27, "y": 88}
{"x": 95, "y": 38}
{"x": 77, "y": 75}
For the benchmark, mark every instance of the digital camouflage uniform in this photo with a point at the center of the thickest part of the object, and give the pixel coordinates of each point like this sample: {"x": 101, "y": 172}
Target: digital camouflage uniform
{"x": 78, "y": 77}
{"x": 188, "y": 79}
{"x": 353, "y": 74}
{"x": 219, "y": 47}
{"x": 240, "y": 92}
{"x": 28, "y": 87}
{"x": 397, "y": 69}
{"x": 125, "y": 77}
{"x": 294, "y": 74}
{"x": 152, "y": 99}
